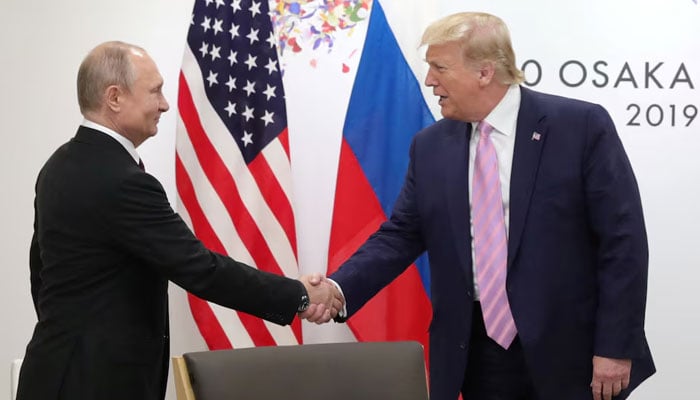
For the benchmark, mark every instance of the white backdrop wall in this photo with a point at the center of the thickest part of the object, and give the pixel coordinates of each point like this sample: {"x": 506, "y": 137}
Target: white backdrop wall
{"x": 637, "y": 58}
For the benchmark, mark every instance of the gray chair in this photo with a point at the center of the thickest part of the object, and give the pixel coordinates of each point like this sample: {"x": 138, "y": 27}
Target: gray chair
{"x": 337, "y": 371}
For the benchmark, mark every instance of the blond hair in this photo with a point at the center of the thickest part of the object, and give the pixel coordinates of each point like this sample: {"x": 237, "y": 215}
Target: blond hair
{"x": 483, "y": 37}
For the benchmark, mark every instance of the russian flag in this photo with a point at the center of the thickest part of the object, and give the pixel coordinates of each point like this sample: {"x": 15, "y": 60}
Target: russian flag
{"x": 385, "y": 110}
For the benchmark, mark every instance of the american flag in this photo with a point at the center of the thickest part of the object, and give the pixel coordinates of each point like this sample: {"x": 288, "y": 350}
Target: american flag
{"x": 232, "y": 161}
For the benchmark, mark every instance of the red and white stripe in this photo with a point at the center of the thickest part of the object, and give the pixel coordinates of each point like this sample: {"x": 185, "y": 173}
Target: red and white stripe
{"x": 243, "y": 211}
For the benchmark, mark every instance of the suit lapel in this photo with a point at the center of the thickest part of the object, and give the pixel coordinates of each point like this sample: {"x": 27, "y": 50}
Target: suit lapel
{"x": 530, "y": 139}
{"x": 455, "y": 160}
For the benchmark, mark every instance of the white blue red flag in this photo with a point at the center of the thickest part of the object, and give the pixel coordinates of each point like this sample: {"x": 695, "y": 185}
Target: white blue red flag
{"x": 232, "y": 162}
{"x": 386, "y": 109}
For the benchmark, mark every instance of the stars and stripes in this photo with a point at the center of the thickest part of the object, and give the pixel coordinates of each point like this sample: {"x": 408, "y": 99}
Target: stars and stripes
{"x": 232, "y": 161}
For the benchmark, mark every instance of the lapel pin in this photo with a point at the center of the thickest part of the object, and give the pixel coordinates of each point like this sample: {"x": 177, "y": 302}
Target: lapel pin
{"x": 536, "y": 136}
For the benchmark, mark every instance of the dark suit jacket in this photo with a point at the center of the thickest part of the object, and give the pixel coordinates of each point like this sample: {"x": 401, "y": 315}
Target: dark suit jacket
{"x": 106, "y": 242}
{"x": 577, "y": 249}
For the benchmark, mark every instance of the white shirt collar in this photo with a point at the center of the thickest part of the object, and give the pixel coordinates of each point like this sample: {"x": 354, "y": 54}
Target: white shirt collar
{"x": 505, "y": 115}
{"x": 126, "y": 143}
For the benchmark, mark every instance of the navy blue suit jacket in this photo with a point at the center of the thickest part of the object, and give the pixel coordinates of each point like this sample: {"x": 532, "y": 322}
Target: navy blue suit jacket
{"x": 577, "y": 248}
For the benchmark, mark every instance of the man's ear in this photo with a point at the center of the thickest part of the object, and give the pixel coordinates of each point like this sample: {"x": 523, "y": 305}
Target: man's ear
{"x": 487, "y": 72}
{"x": 113, "y": 96}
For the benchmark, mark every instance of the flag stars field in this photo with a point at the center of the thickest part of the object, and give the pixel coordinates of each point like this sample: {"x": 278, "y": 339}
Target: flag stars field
{"x": 206, "y": 24}
{"x": 214, "y": 53}
{"x": 234, "y": 31}
{"x": 233, "y": 58}
{"x": 269, "y": 92}
{"x": 251, "y": 62}
{"x": 271, "y": 40}
{"x": 231, "y": 83}
{"x": 212, "y": 78}
{"x": 255, "y": 8}
{"x": 204, "y": 49}
{"x": 249, "y": 88}
{"x": 267, "y": 118}
{"x": 217, "y": 26}
{"x": 271, "y": 66}
{"x": 230, "y": 108}
{"x": 247, "y": 138}
{"x": 236, "y": 5}
{"x": 253, "y": 36}
{"x": 248, "y": 113}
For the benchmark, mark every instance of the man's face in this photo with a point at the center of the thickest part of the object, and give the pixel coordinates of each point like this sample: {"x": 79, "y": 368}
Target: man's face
{"x": 456, "y": 83}
{"x": 142, "y": 105}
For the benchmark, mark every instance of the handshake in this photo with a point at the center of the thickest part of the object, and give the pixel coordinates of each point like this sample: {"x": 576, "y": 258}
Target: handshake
{"x": 325, "y": 298}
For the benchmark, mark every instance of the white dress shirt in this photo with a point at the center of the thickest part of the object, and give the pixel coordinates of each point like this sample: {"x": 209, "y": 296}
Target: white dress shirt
{"x": 503, "y": 118}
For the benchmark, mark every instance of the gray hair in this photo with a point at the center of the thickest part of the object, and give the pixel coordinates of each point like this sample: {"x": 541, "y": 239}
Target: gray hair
{"x": 482, "y": 37}
{"x": 107, "y": 64}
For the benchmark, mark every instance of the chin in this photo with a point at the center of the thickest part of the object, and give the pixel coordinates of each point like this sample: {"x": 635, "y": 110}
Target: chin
{"x": 447, "y": 114}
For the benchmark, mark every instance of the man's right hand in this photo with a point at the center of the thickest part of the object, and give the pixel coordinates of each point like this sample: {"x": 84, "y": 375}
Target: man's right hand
{"x": 326, "y": 300}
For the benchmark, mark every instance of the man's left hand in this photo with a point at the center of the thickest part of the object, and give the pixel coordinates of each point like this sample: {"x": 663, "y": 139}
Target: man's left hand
{"x": 610, "y": 377}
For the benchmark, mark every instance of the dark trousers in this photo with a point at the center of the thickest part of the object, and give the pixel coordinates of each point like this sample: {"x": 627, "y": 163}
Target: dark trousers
{"x": 494, "y": 373}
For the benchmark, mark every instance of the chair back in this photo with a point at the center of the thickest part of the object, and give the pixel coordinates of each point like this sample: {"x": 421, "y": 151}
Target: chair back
{"x": 338, "y": 371}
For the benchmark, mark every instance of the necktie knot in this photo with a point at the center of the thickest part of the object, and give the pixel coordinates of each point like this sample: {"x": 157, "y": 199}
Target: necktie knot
{"x": 485, "y": 129}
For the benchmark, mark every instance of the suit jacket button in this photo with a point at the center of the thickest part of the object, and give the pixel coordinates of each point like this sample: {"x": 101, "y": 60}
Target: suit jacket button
{"x": 462, "y": 345}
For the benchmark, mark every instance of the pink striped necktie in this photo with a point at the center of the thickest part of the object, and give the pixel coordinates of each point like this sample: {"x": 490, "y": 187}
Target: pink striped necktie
{"x": 490, "y": 243}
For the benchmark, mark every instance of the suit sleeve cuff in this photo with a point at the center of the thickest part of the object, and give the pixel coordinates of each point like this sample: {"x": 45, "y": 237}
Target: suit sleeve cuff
{"x": 342, "y": 314}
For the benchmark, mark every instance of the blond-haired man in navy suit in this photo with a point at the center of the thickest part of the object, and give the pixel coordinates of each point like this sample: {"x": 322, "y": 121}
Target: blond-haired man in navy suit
{"x": 576, "y": 264}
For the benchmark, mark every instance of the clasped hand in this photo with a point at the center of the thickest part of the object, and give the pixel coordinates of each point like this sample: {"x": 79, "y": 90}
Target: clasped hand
{"x": 325, "y": 298}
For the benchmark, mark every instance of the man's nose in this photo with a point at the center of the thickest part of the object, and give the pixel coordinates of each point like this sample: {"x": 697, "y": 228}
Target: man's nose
{"x": 430, "y": 80}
